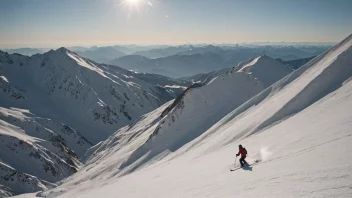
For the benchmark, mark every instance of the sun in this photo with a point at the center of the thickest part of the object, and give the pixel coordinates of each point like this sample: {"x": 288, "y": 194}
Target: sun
{"x": 132, "y": 6}
{"x": 133, "y": 2}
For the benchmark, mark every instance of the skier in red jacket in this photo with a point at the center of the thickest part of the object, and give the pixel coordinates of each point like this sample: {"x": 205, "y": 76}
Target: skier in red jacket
{"x": 243, "y": 152}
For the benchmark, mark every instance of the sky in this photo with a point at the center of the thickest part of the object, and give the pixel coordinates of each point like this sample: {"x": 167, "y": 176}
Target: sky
{"x": 55, "y": 23}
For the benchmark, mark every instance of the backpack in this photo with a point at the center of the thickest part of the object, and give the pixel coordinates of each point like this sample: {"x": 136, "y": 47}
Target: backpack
{"x": 245, "y": 150}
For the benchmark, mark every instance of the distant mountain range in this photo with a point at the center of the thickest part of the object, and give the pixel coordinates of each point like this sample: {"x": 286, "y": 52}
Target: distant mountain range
{"x": 101, "y": 54}
{"x": 172, "y": 66}
{"x": 163, "y": 52}
{"x": 184, "y": 60}
{"x": 195, "y": 60}
{"x": 25, "y": 51}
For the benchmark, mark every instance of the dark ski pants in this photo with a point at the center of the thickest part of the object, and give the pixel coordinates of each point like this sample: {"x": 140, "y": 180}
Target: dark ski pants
{"x": 243, "y": 161}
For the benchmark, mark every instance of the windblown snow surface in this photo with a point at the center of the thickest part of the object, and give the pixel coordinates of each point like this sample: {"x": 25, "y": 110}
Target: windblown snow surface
{"x": 299, "y": 129}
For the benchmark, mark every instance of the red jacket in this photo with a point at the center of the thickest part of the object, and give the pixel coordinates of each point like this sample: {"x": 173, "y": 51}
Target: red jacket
{"x": 242, "y": 151}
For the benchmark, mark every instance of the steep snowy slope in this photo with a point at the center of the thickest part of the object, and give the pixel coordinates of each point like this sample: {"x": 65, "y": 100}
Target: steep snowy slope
{"x": 63, "y": 86}
{"x": 55, "y": 132}
{"x": 264, "y": 68}
{"x": 55, "y": 106}
{"x": 299, "y": 129}
{"x": 6, "y": 192}
{"x": 23, "y": 156}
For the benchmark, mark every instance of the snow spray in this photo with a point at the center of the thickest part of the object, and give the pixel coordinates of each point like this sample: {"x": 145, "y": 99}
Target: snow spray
{"x": 264, "y": 153}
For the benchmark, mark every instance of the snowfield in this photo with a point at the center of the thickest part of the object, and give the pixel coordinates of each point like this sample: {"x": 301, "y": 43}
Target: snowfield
{"x": 299, "y": 129}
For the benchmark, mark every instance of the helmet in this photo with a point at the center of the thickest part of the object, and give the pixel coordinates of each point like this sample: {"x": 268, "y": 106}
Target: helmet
{"x": 240, "y": 146}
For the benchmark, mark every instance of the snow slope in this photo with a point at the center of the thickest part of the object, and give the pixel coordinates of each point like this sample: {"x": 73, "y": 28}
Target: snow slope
{"x": 299, "y": 129}
{"x": 55, "y": 106}
{"x": 6, "y": 192}
{"x": 28, "y": 164}
{"x": 264, "y": 68}
{"x": 96, "y": 100}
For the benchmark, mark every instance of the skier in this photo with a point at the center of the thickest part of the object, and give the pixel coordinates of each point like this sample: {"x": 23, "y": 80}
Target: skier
{"x": 243, "y": 152}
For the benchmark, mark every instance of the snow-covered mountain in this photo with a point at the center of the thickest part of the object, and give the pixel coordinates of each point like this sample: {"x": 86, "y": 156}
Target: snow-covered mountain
{"x": 90, "y": 97}
{"x": 298, "y": 130}
{"x": 202, "y": 77}
{"x": 6, "y": 192}
{"x": 36, "y": 152}
{"x": 55, "y": 106}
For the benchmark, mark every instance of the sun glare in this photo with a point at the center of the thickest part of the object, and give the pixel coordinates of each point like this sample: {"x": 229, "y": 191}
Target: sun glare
{"x": 135, "y": 5}
{"x": 133, "y": 2}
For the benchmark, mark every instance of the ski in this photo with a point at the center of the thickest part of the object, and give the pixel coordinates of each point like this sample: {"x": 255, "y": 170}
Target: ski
{"x": 249, "y": 165}
{"x": 235, "y": 169}
{"x": 239, "y": 168}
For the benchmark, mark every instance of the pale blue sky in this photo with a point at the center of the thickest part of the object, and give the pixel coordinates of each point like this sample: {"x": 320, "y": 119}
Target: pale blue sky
{"x": 49, "y": 23}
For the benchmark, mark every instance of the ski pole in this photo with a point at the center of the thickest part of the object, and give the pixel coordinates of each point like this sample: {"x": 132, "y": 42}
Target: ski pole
{"x": 235, "y": 161}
